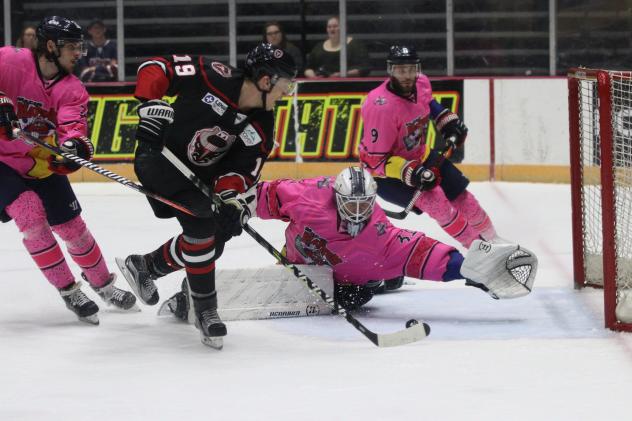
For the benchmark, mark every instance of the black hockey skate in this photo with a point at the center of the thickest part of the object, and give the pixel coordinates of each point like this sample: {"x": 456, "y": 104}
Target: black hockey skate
{"x": 212, "y": 329}
{"x": 178, "y": 304}
{"x": 139, "y": 277}
{"x": 114, "y": 296}
{"x": 77, "y": 302}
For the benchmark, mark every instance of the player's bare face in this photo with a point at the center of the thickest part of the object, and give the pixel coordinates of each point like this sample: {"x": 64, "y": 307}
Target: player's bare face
{"x": 70, "y": 53}
{"x": 405, "y": 75}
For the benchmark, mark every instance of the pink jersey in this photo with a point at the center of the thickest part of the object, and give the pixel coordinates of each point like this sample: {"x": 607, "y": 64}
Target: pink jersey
{"x": 394, "y": 126}
{"x": 314, "y": 236}
{"x": 43, "y": 108}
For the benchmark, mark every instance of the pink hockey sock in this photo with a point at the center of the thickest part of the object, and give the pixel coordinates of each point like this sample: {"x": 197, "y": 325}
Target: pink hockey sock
{"x": 30, "y": 217}
{"x": 453, "y": 222}
{"x": 475, "y": 214}
{"x": 84, "y": 250}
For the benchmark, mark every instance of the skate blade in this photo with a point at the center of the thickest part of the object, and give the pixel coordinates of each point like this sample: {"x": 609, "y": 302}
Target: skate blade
{"x": 93, "y": 319}
{"x": 164, "y": 309}
{"x": 215, "y": 342}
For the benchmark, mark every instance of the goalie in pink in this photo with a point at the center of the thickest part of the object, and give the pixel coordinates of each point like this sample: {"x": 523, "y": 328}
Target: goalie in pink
{"x": 396, "y": 115}
{"x": 335, "y": 221}
{"x": 39, "y": 95}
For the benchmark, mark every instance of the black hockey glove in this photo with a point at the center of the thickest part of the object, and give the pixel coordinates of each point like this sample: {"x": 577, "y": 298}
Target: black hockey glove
{"x": 421, "y": 177}
{"x": 231, "y": 215}
{"x": 8, "y": 119}
{"x": 153, "y": 119}
{"x": 79, "y": 146}
{"x": 450, "y": 125}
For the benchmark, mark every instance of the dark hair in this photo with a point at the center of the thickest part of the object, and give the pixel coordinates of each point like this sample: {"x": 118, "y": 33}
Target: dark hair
{"x": 20, "y": 41}
{"x": 278, "y": 25}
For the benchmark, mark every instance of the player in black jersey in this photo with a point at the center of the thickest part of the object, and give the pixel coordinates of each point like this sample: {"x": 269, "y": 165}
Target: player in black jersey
{"x": 221, "y": 126}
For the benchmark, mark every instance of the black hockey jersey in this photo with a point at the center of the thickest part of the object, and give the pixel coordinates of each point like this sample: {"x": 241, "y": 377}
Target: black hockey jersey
{"x": 222, "y": 145}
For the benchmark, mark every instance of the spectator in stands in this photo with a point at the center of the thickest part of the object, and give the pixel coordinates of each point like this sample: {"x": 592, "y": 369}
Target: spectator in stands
{"x": 100, "y": 64}
{"x": 324, "y": 59}
{"x": 27, "y": 38}
{"x": 274, "y": 34}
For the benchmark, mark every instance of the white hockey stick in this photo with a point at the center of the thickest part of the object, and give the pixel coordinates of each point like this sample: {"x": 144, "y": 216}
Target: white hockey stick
{"x": 414, "y": 330}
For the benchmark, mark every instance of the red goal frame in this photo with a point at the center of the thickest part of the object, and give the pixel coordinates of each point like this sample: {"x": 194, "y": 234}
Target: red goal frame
{"x": 603, "y": 80}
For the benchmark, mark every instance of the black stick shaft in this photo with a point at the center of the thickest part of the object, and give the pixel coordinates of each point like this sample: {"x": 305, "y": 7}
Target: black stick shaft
{"x": 101, "y": 171}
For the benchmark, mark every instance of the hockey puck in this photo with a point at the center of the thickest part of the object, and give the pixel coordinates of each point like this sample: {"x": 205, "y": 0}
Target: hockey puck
{"x": 411, "y": 322}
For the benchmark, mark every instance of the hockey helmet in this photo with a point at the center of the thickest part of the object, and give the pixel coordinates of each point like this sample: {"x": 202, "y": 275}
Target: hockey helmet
{"x": 402, "y": 54}
{"x": 60, "y": 30}
{"x": 355, "y": 194}
{"x": 268, "y": 60}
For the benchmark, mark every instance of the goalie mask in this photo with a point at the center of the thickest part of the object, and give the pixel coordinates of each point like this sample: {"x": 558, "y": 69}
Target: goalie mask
{"x": 355, "y": 197}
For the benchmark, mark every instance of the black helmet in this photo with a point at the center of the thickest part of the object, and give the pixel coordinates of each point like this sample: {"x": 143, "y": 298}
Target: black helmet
{"x": 59, "y": 30}
{"x": 266, "y": 59}
{"x": 403, "y": 54}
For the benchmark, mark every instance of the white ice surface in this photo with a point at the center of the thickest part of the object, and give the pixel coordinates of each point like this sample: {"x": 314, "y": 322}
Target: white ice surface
{"x": 543, "y": 357}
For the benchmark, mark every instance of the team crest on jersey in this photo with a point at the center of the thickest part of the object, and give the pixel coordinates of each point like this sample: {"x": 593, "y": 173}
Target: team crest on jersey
{"x": 222, "y": 69}
{"x": 250, "y": 136}
{"x": 380, "y": 100}
{"x": 208, "y": 146}
{"x": 415, "y": 132}
{"x": 34, "y": 119}
{"x": 314, "y": 249}
{"x": 216, "y": 104}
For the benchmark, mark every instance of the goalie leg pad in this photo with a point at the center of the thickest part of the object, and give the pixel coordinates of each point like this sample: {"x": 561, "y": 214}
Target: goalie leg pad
{"x": 506, "y": 270}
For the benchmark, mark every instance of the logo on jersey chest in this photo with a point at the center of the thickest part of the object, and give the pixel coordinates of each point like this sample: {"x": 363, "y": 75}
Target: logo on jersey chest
{"x": 216, "y": 104}
{"x": 35, "y": 119}
{"x": 415, "y": 132}
{"x": 208, "y": 146}
{"x": 314, "y": 249}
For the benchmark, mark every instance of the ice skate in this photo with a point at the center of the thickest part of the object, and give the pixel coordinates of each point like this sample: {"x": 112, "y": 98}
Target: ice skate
{"x": 212, "y": 329}
{"x": 178, "y": 304}
{"x": 77, "y": 302}
{"x": 139, "y": 277}
{"x": 114, "y": 296}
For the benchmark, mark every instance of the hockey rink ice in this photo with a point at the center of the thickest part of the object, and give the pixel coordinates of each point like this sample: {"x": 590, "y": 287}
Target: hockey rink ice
{"x": 542, "y": 357}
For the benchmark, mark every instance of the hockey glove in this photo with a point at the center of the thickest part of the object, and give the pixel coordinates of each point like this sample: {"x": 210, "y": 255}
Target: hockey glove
{"x": 424, "y": 178}
{"x": 79, "y": 146}
{"x": 231, "y": 214}
{"x": 8, "y": 119}
{"x": 154, "y": 118}
{"x": 450, "y": 125}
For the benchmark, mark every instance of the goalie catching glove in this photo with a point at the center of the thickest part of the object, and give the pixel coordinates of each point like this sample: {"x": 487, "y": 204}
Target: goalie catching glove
{"x": 505, "y": 270}
{"x": 78, "y": 146}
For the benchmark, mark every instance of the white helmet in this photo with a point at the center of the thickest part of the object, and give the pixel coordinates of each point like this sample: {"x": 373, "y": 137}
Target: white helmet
{"x": 355, "y": 195}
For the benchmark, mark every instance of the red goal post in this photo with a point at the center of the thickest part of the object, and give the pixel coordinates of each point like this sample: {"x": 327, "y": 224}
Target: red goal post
{"x": 600, "y": 126}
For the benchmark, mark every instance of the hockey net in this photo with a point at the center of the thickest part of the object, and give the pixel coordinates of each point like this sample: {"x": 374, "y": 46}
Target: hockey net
{"x": 600, "y": 125}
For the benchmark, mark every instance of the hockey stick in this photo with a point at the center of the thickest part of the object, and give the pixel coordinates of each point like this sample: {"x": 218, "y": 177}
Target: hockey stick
{"x": 445, "y": 154}
{"x": 99, "y": 170}
{"x": 414, "y": 330}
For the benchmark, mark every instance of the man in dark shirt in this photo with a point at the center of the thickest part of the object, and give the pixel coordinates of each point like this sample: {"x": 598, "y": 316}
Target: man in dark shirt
{"x": 100, "y": 63}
